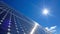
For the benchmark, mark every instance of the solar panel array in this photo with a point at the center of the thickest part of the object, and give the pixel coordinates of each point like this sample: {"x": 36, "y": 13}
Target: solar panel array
{"x": 14, "y": 23}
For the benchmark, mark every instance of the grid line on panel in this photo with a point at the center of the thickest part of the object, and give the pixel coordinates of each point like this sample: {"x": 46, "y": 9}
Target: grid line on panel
{"x": 16, "y": 25}
{"x": 20, "y": 25}
{"x": 2, "y": 10}
{"x": 9, "y": 26}
{"x": 4, "y": 17}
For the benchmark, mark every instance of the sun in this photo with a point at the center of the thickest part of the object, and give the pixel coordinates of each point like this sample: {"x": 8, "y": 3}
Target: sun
{"x": 45, "y": 12}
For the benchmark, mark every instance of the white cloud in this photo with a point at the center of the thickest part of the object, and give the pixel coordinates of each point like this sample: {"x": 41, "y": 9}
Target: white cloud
{"x": 51, "y": 29}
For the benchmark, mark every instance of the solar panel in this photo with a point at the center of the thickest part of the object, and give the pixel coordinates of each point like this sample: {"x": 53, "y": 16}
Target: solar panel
{"x": 13, "y": 23}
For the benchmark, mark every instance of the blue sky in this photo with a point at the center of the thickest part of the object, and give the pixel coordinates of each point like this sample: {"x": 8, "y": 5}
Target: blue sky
{"x": 33, "y": 9}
